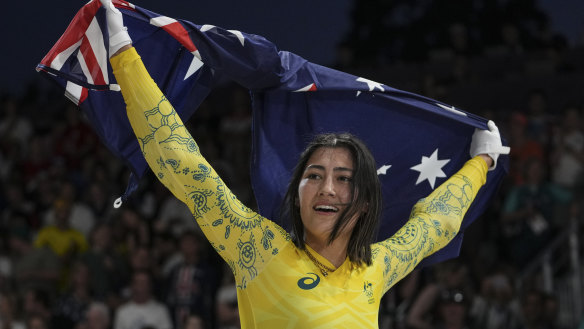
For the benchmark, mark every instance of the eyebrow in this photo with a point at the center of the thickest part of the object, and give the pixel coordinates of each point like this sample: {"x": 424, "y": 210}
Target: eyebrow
{"x": 319, "y": 167}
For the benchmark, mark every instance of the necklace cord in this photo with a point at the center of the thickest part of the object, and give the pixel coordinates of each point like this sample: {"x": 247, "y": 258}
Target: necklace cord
{"x": 323, "y": 268}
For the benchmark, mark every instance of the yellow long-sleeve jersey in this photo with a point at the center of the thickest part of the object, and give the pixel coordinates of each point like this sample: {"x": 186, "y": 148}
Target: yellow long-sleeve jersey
{"x": 278, "y": 286}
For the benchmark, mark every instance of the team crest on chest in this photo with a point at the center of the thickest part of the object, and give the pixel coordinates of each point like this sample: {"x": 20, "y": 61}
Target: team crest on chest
{"x": 368, "y": 291}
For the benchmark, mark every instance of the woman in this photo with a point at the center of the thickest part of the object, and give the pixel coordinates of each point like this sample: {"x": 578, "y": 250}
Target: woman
{"x": 327, "y": 273}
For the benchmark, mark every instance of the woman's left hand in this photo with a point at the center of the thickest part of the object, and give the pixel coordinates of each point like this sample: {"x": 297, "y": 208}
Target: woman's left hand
{"x": 487, "y": 144}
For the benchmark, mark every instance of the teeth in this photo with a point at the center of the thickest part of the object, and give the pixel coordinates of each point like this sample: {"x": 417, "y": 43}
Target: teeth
{"x": 326, "y": 208}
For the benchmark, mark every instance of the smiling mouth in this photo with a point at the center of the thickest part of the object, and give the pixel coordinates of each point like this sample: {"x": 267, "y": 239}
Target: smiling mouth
{"x": 324, "y": 208}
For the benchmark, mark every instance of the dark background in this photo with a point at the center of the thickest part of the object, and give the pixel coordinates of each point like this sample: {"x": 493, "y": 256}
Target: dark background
{"x": 309, "y": 28}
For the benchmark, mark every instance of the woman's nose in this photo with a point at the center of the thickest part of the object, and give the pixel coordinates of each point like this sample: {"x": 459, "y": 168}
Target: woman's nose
{"x": 327, "y": 187}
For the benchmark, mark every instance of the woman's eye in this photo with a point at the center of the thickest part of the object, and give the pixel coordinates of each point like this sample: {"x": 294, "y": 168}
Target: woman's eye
{"x": 313, "y": 176}
{"x": 345, "y": 179}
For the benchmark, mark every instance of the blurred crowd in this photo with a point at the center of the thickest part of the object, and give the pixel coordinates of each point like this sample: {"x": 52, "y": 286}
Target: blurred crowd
{"x": 385, "y": 32}
{"x": 69, "y": 259}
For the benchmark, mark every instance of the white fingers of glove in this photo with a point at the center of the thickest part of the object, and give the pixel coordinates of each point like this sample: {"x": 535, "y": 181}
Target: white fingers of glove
{"x": 488, "y": 142}
{"x": 118, "y": 34}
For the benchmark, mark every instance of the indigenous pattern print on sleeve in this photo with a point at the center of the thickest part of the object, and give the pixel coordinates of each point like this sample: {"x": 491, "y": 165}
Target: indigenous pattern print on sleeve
{"x": 246, "y": 240}
{"x": 434, "y": 221}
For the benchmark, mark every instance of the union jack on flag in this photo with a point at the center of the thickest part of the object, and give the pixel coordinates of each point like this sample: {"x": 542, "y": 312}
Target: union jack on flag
{"x": 417, "y": 141}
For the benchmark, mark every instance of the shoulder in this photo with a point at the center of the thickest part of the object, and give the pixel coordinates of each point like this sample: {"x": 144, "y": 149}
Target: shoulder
{"x": 154, "y": 305}
{"x": 126, "y": 308}
{"x": 75, "y": 234}
{"x": 380, "y": 254}
{"x": 50, "y": 229}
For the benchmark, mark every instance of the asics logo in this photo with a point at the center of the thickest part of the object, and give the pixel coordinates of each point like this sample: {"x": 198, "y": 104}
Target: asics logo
{"x": 309, "y": 282}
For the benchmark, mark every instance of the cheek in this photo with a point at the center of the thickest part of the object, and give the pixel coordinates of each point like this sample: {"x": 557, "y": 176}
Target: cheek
{"x": 299, "y": 194}
{"x": 304, "y": 190}
{"x": 344, "y": 193}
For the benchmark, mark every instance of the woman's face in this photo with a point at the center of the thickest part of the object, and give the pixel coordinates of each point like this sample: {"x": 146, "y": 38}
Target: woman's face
{"x": 325, "y": 191}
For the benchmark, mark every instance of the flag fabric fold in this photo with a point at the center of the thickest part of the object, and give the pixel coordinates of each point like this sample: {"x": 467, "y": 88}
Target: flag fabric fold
{"x": 417, "y": 142}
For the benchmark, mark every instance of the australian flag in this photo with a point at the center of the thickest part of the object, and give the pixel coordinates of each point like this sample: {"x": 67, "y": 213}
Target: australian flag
{"x": 417, "y": 142}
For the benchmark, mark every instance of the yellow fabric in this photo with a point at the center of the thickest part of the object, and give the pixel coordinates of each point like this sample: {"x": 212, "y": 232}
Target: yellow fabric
{"x": 278, "y": 286}
{"x": 61, "y": 241}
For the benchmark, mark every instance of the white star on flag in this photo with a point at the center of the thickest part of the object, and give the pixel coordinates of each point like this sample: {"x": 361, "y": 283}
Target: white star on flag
{"x": 237, "y": 33}
{"x": 206, "y": 27}
{"x": 161, "y": 21}
{"x": 239, "y": 36}
{"x": 371, "y": 84}
{"x": 430, "y": 168}
{"x": 196, "y": 64}
{"x": 383, "y": 170}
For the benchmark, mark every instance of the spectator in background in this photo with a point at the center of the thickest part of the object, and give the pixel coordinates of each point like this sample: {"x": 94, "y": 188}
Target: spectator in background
{"x": 15, "y": 128}
{"x": 34, "y": 267}
{"x": 37, "y": 160}
{"x": 568, "y": 151}
{"x": 106, "y": 267}
{"x": 8, "y": 318}
{"x": 141, "y": 260}
{"x": 165, "y": 252}
{"x": 74, "y": 138}
{"x": 538, "y": 116}
{"x": 397, "y": 302}
{"x": 174, "y": 216}
{"x": 533, "y": 311}
{"x": 9, "y": 158}
{"x": 99, "y": 201}
{"x": 70, "y": 307}
{"x": 523, "y": 148}
{"x": 36, "y": 321}
{"x": 42, "y": 191}
{"x": 496, "y": 306}
{"x": 130, "y": 231}
{"x": 143, "y": 309}
{"x": 551, "y": 311}
{"x": 82, "y": 218}
{"x": 64, "y": 240}
{"x": 191, "y": 283}
{"x": 17, "y": 205}
{"x": 97, "y": 316}
{"x": 227, "y": 314}
{"x": 6, "y": 264}
{"x": 451, "y": 275}
{"x": 453, "y": 311}
{"x": 194, "y": 322}
{"x": 37, "y": 304}
{"x": 510, "y": 42}
{"x": 528, "y": 214}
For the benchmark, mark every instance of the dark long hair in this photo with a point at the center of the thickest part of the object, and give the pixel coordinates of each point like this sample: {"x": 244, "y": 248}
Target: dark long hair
{"x": 365, "y": 196}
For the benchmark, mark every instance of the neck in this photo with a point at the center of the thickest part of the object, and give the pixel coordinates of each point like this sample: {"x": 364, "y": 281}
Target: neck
{"x": 141, "y": 300}
{"x": 336, "y": 252}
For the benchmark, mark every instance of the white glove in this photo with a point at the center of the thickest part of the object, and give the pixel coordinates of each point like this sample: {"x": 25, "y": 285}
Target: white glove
{"x": 118, "y": 33}
{"x": 488, "y": 142}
